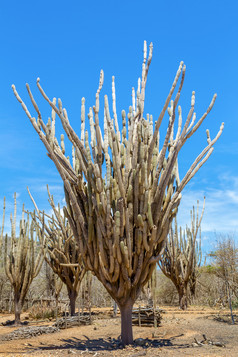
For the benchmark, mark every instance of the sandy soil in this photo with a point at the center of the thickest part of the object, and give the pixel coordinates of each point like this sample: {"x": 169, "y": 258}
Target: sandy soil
{"x": 174, "y": 337}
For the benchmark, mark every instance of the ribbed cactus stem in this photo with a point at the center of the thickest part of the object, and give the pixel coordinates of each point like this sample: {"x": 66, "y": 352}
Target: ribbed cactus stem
{"x": 3, "y": 220}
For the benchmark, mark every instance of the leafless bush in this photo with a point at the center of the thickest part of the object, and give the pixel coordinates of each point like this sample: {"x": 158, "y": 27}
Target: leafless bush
{"x": 41, "y": 311}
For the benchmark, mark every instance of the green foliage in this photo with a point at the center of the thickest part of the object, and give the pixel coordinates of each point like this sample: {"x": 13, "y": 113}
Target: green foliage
{"x": 235, "y": 303}
{"x": 209, "y": 269}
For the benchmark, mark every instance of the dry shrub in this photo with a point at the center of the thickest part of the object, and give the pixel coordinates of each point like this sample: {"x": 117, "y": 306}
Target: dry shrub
{"x": 99, "y": 295}
{"x": 41, "y": 311}
{"x": 166, "y": 293}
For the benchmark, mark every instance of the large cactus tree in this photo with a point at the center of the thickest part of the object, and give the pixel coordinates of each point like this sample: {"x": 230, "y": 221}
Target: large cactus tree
{"x": 62, "y": 253}
{"x": 182, "y": 256}
{"x": 121, "y": 188}
{"x": 23, "y": 258}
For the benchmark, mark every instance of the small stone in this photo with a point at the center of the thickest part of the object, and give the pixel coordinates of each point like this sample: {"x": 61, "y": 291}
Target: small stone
{"x": 70, "y": 351}
{"x": 140, "y": 342}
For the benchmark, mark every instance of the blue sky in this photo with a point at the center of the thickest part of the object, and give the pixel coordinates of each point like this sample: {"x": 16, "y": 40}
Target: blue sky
{"x": 67, "y": 43}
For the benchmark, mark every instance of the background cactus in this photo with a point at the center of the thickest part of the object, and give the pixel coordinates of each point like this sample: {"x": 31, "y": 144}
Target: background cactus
{"x": 62, "y": 253}
{"x": 182, "y": 256}
{"x": 22, "y": 259}
{"x": 121, "y": 221}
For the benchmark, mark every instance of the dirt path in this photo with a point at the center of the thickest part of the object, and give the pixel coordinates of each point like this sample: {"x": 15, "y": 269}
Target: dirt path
{"x": 174, "y": 337}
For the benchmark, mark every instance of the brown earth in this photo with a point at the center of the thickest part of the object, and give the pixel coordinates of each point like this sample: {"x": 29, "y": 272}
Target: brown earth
{"x": 174, "y": 337}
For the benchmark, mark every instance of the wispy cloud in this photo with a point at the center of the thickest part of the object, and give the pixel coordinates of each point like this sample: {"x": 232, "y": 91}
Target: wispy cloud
{"x": 233, "y": 196}
{"x": 231, "y": 149}
{"x": 221, "y": 205}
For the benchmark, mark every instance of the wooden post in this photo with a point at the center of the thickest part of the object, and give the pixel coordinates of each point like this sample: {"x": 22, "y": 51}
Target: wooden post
{"x": 90, "y": 296}
{"x": 79, "y": 312}
{"x": 115, "y": 309}
{"x": 139, "y": 317}
{"x": 56, "y": 312}
{"x": 90, "y": 314}
{"x": 65, "y": 315}
{"x": 155, "y": 317}
{"x": 229, "y": 301}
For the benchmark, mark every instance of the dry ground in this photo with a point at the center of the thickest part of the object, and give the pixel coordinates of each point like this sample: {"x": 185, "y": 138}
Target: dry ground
{"x": 173, "y": 338}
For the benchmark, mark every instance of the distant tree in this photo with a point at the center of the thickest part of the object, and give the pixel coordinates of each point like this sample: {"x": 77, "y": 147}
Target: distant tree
{"x": 225, "y": 262}
{"x": 122, "y": 220}
{"x": 23, "y": 258}
{"x": 182, "y": 256}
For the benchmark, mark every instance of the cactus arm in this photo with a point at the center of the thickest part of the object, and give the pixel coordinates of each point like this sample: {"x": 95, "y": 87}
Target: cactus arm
{"x": 3, "y": 220}
{"x": 97, "y": 128}
{"x": 158, "y": 123}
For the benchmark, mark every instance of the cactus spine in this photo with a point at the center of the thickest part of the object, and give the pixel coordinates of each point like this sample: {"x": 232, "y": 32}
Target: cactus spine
{"x": 21, "y": 260}
{"x": 138, "y": 197}
{"x": 182, "y": 256}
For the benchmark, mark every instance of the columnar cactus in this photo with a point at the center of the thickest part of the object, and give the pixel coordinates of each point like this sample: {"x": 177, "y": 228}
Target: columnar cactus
{"x": 182, "y": 256}
{"x": 2, "y": 228}
{"x": 122, "y": 220}
{"x": 62, "y": 253}
{"x": 22, "y": 262}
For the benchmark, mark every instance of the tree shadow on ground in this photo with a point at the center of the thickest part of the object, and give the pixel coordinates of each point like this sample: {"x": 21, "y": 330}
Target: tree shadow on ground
{"x": 111, "y": 344}
{"x": 12, "y": 323}
{"x": 226, "y": 319}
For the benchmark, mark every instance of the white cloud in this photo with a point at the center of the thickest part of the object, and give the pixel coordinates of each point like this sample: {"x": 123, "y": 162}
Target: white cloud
{"x": 233, "y": 196}
{"x": 221, "y": 207}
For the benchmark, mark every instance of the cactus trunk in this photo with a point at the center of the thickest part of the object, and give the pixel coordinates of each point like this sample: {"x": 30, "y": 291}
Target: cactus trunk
{"x": 126, "y": 322}
{"x": 72, "y": 299}
{"x": 17, "y": 309}
{"x": 183, "y": 298}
